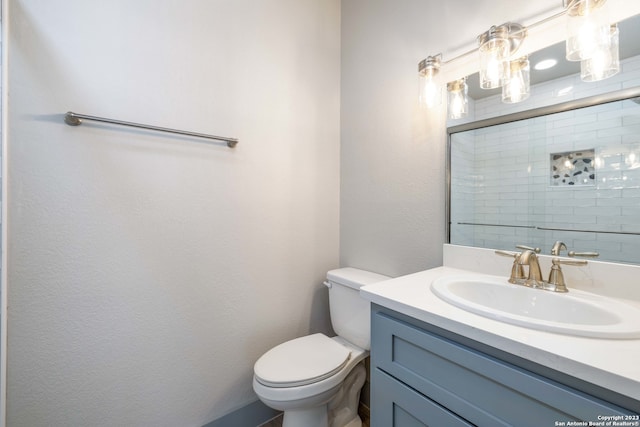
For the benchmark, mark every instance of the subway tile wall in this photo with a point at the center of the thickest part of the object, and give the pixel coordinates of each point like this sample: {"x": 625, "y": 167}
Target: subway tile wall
{"x": 501, "y": 175}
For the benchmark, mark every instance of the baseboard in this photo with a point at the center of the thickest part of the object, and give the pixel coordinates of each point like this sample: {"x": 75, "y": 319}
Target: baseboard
{"x": 363, "y": 412}
{"x": 251, "y": 415}
{"x": 257, "y": 414}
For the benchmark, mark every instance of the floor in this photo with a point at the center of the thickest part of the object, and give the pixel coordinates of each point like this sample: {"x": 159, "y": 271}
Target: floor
{"x": 363, "y": 411}
{"x": 276, "y": 422}
{"x": 364, "y": 415}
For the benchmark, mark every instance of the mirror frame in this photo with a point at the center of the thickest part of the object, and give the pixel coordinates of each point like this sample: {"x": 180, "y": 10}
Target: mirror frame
{"x": 619, "y": 95}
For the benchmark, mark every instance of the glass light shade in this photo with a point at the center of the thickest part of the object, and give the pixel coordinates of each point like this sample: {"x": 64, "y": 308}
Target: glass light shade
{"x": 457, "y": 99}
{"x": 494, "y": 51}
{"x": 430, "y": 94}
{"x": 587, "y": 28}
{"x": 517, "y": 88}
{"x": 605, "y": 62}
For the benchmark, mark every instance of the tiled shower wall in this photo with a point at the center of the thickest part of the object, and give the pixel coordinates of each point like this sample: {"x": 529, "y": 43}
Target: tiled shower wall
{"x": 501, "y": 175}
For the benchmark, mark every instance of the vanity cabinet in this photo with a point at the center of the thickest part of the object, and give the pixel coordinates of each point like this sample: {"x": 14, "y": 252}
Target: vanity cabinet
{"x": 422, "y": 375}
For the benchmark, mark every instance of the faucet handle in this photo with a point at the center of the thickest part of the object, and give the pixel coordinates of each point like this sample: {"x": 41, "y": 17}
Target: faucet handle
{"x": 556, "y": 281}
{"x": 507, "y": 254}
{"x": 528, "y": 248}
{"x": 517, "y": 271}
{"x": 583, "y": 254}
{"x": 579, "y": 262}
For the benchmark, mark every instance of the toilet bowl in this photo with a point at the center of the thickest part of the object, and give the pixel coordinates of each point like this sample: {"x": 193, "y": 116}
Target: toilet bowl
{"x": 308, "y": 399}
{"x": 316, "y": 380}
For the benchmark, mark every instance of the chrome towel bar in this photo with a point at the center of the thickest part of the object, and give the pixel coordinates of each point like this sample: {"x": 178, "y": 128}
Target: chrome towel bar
{"x": 75, "y": 119}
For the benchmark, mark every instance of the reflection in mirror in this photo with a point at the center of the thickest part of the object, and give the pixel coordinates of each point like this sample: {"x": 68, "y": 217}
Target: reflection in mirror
{"x": 568, "y": 172}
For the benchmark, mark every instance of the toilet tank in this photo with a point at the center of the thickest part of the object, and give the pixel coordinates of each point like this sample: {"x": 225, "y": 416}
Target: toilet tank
{"x": 350, "y": 313}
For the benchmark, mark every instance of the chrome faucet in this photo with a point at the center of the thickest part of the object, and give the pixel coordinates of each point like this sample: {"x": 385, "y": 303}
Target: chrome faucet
{"x": 520, "y": 259}
{"x": 534, "y": 277}
{"x": 557, "y": 247}
{"x": 528, "y": 257}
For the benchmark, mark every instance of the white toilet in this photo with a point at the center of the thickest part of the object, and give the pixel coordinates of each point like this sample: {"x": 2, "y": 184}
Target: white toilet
{"x": 316, "y": 380}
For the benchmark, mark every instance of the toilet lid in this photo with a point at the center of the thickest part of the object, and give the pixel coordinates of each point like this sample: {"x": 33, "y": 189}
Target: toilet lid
{"x": 301, "y": 361}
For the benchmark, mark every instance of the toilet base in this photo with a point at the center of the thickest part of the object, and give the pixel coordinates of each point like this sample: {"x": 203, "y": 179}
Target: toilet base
{"x": 356, "y": 422}
{"x": 343, "y": 408}
{"x": 340, "y": 411}
{"x": 310, "y": 417}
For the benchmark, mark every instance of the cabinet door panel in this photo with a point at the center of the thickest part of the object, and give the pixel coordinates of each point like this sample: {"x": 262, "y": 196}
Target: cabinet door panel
{"x": 396, "y": 405}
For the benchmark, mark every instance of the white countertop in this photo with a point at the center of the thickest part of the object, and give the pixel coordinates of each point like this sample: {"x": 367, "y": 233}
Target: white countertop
{"x": 610, "y": 363}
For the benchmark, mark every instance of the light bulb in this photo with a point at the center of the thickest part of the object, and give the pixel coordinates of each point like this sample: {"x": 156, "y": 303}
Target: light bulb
{"x": 604, "y": 62}
{"x": 431, "y": 95}
{"x": 457, "y": 99}
{"x": 588, "y": 29}
{"x": 512, "y": 91}
{"x": 430, "y": 92}
{"x": 516, "y": 89}
{"x": 494, "y": 71}
{"x": 494, "y": 54}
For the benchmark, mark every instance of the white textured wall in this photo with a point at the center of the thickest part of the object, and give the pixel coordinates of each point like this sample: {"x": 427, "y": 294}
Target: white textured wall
{"x": 392, "y": 155}
{"x": 148, "y": 272}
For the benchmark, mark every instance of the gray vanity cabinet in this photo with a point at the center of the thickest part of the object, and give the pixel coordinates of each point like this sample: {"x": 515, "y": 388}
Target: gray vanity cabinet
{"x": 424, "y": 376}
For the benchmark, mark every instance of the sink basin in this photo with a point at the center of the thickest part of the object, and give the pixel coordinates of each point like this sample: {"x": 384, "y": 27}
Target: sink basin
{"x": 574, "y": 313}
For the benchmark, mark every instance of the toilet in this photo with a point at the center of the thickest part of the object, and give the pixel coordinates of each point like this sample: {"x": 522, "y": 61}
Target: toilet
{"x": 316, "y": 380}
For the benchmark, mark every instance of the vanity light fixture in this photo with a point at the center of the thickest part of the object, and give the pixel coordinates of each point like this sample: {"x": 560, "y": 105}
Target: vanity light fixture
{"x": 588, "y": 28}
{"x": 605, "y": 62}
{"x": 430, "y": 89}
{"x": 494, "y": 54}
{"x": 457, "y": 98}
{"x": 591, "y": 39}
{"x": 496, "y": 47}
{"x": 517, "y": 88}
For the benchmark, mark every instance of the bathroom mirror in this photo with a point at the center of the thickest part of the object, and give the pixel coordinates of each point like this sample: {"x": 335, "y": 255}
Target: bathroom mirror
{"x": 562, "y": 165}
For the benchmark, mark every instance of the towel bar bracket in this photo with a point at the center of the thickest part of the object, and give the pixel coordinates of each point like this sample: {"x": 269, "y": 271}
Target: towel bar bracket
{"x": 72, "y": 120}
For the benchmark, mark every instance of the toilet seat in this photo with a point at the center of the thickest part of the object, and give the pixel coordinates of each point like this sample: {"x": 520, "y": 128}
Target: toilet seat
{"x": 301, "y": 361}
